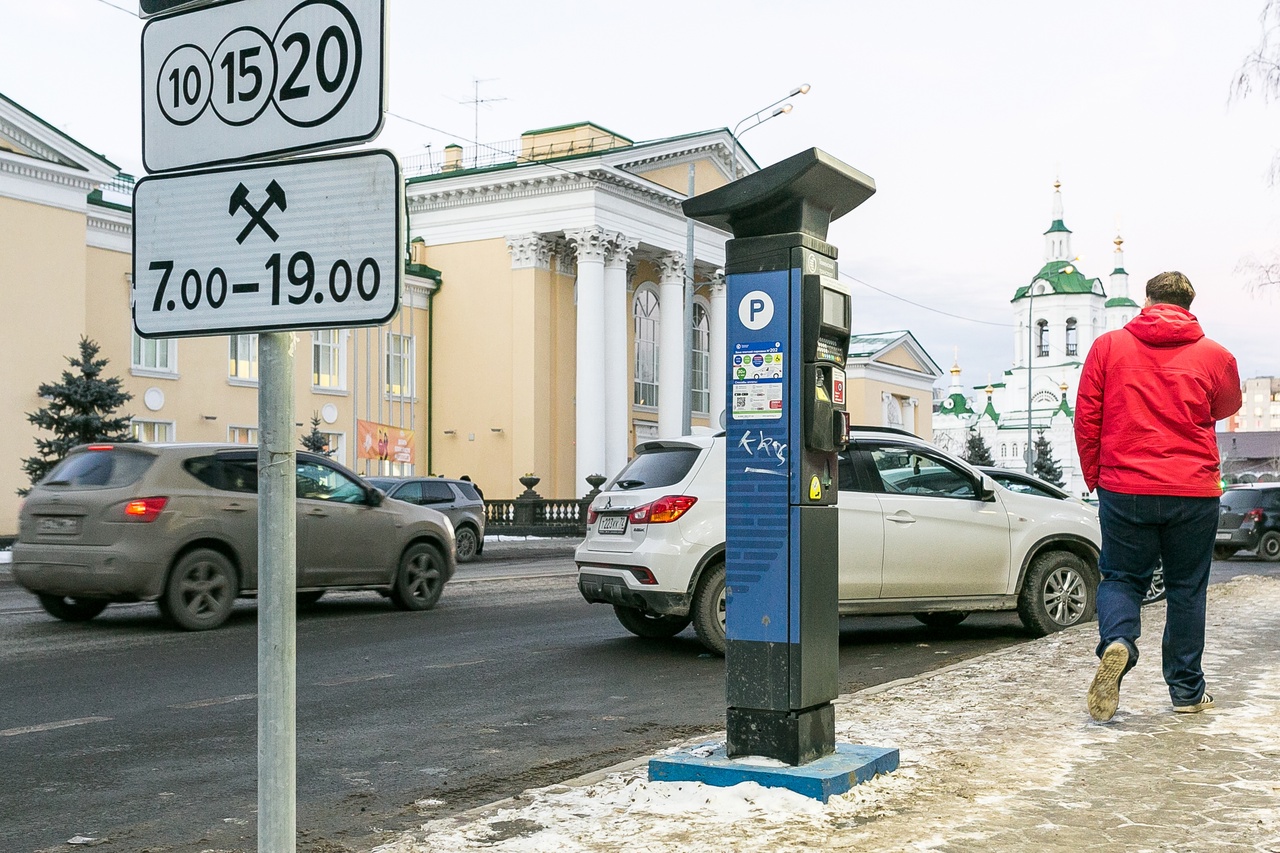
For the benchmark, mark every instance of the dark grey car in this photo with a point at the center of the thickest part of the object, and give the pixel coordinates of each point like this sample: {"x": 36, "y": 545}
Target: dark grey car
{"x": 458, "y": 499}
{"x": 178, "y": 524}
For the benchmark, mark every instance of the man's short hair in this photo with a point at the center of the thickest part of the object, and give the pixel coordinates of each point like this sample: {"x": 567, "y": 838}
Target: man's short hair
{"x": 1171, "y": 287}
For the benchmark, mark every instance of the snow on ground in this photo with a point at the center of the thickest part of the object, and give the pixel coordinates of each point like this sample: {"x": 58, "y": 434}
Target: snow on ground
{"x": 978, "y": 739}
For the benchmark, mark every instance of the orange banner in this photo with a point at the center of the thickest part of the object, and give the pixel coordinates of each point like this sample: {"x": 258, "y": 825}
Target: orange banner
{"x": 383, "y": 442}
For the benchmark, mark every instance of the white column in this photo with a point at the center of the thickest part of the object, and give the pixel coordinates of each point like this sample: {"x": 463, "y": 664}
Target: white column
{"x": 671, "y": 354}
{"x": 719, "y": 361}
{"x": 590, "y": 245}
{"x": 909, "y": 408}
{"x": 617, "y": 373}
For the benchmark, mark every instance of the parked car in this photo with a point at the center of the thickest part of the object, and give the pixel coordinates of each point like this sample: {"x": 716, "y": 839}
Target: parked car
{"x": 458, "y": 499}
{"x": 655, "y": 540}
{"x": 1249, "y": 520}
{"x": 177, "y": 524}
{"x": 1029, "y": 484}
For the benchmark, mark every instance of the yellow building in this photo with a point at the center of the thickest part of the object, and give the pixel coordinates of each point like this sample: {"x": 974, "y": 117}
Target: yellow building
{"x": 538, "y": 276}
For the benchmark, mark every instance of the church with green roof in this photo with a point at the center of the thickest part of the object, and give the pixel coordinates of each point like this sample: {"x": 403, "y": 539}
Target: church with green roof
{"x": 1057, "y": 315}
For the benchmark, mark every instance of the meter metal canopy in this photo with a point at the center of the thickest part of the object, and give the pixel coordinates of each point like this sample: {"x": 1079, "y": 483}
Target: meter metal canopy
{"x": 804, "y": 193}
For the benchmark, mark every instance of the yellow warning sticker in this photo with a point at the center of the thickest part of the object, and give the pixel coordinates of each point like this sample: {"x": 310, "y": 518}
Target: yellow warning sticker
{"x": 815, "y": 489}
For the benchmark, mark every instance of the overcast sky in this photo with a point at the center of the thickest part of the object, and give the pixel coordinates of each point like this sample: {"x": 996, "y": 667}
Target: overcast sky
{"x": 964, "y": 113}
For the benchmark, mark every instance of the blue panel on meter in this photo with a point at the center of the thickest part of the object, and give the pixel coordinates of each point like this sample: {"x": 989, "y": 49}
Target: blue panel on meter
{"x": 758, "y": 460}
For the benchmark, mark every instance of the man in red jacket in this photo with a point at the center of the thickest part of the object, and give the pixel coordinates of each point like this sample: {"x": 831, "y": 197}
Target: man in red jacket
{"x": 1149, "y": 396}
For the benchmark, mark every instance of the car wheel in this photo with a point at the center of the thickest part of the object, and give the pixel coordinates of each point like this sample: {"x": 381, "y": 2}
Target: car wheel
{"x": 708, "y": 609}
{"x": 651, "y": 625}
{"x": 420, "y": 578}
{"x": 468, "y": 544}
{"x": 201, "y": 590}
{"x": 1156, "y": 591}
{"x": 1057, "y": 593}
{"x": 945, "y": 619}
{"x": 310, "y": 597}
{"x": 1269, "y": 547}
{"x": 1223, "y": 552}
{"x": 72, "y": 609}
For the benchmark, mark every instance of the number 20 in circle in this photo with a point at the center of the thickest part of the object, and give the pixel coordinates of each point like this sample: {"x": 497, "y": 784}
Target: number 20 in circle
{"x": 318, "y": 48}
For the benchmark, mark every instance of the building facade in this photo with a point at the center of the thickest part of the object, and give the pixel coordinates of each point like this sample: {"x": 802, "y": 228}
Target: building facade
{"x": 1260, "y": 411}
{"x": 1056, "y": 318}
{"x": 545, "y": 327}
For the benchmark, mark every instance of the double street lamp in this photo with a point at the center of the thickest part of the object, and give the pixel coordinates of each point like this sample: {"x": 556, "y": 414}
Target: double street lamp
{"x": 777, "y": 108}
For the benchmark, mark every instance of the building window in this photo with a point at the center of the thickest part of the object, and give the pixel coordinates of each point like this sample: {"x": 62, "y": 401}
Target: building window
{"x": 701, "y": 365}
{"x": 1072, "y": 340}
{"x": 152, "y": 432}
{"x": 335, "y": 446}
{"x": 242, "y": 435}
{"x": 157, "y": 355}
{"x": 243, "y": 357}
{"x": 646, "y": 313}
{"x": 399, "y": 365}
{"x": 1004, "y": 451}
{"x": 327, "y": 360}
{"x": 1042, "y": 329}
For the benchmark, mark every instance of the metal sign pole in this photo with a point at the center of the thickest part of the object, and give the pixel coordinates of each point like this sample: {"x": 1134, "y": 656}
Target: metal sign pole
{"x": 277, "y": 602}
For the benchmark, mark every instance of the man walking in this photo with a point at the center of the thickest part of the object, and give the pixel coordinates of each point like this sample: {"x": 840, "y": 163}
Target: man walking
{"x": 1149, "y": 396}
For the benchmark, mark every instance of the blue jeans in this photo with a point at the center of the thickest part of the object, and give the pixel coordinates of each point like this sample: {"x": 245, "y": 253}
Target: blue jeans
{"x": 1136, "y": 529}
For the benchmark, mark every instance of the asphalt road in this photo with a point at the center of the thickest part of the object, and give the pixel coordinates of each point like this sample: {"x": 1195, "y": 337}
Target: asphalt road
{"x": 124, "y": 730}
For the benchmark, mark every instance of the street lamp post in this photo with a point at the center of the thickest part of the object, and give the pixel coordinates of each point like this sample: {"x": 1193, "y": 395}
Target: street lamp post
{"x": 781, "y": 109}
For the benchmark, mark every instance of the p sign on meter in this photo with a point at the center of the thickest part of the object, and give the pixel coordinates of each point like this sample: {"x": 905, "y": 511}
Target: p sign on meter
{"x": 261, "y": 77}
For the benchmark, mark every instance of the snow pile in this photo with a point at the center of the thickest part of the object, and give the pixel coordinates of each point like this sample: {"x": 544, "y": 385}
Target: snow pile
{"x": 998, "y": 753}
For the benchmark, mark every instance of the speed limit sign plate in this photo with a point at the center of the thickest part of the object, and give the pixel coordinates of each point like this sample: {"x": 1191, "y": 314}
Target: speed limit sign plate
{"x": 305, "y": 244}
{"x": 255, "y": 78}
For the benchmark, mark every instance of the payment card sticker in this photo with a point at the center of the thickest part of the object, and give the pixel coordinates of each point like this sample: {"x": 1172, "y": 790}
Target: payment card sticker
{"x": 757, "y": 372}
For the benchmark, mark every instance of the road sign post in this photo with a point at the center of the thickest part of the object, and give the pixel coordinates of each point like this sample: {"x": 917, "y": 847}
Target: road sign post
{"x": 267, "y": 247}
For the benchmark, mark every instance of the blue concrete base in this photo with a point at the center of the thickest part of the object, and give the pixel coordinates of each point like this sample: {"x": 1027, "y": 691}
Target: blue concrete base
{"x": 849, "y": 765}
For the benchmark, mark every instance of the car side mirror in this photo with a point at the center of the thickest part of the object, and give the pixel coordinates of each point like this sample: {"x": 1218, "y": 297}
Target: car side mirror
{"x": 986, "y": 488}
{"x": 374, "y": 496}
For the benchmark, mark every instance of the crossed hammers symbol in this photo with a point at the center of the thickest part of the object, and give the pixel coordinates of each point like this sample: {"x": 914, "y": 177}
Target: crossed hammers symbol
{"x": 257, "y": 215}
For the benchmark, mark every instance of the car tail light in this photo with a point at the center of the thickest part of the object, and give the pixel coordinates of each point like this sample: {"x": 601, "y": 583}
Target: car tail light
{"x": 1254, "y": 515}
{"x": 664, "y": 510}
{"x": 592, "y": 515}
{"x": 642, "y": 574}
{"x": 144, "y": 509}
{"x": 100, "y": 447}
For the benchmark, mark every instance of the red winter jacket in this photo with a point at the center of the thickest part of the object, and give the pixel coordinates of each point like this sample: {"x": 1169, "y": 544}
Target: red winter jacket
{"x": 1149, "y": 396}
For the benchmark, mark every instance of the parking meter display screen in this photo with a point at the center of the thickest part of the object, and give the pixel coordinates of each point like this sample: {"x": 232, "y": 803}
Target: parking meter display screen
{"x": 835, "y": 309}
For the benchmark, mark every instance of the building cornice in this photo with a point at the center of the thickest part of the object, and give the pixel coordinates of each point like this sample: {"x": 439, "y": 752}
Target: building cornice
{"x": 109, "y": 229}
{"x": 41, "y": 182}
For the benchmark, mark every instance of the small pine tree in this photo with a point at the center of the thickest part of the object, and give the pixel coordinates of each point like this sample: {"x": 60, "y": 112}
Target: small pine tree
{"x": 1046, "y": 467}
{"x": 81, "y": 410}
{"x": 976, "y": 451}
{"x": 316, "y": 441}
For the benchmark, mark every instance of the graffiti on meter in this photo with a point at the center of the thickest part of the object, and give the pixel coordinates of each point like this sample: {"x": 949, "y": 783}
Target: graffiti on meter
{"x": 305, "y": 70}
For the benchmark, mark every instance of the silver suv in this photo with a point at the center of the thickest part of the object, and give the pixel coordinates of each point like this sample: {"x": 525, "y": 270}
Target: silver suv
{"x": 458, "y": 499}
{"x": 178, "y": 524}
{"x": 921, "y": 532}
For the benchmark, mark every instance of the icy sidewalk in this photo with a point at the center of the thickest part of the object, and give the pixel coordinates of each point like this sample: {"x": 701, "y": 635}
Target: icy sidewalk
{"x": 998, "y": 754}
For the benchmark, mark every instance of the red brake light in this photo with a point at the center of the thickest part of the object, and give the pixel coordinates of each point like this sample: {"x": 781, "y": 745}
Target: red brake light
{"x": 592, "y": 515}
{"x": 664, "y": 510}
{"x": 1254, "y": 515}
{"x": 100, "y": 447}
{"x": 144, "y": 509}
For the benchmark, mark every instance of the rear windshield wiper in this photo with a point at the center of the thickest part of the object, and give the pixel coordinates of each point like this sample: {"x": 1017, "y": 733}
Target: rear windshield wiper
{"x": 629, "y": 484}
{"x": 56, "y": 483}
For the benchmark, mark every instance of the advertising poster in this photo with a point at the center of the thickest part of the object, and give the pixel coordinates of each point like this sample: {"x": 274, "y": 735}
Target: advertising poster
{"x": 383, "y": 442}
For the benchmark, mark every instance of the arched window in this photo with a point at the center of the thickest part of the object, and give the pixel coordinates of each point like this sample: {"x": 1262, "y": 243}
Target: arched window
{"x": 1004, "y": 451}
{"x": 646, "y": 314}
{"x": 1073, "y": 344}
{"x": 701, "y": 364}
{"x": 1042, "y": 335}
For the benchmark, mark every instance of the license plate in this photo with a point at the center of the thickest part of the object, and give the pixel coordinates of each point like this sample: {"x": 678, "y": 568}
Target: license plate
{"x": 1224, "y": 534}
{"x": 58, "y": 526}
{"x": 616, "y": 524}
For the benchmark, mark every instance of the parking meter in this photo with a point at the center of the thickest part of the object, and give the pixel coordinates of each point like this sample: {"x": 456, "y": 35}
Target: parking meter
{"x": 787, "y": 338}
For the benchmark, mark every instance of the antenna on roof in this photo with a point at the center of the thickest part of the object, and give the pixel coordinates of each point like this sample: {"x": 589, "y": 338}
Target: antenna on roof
{"x": 476, "y": 101}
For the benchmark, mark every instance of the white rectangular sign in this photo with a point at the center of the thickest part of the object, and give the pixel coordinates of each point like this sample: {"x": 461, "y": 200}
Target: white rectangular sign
{"x": 252, "y": 78}
{"x": 305, "y": 244}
